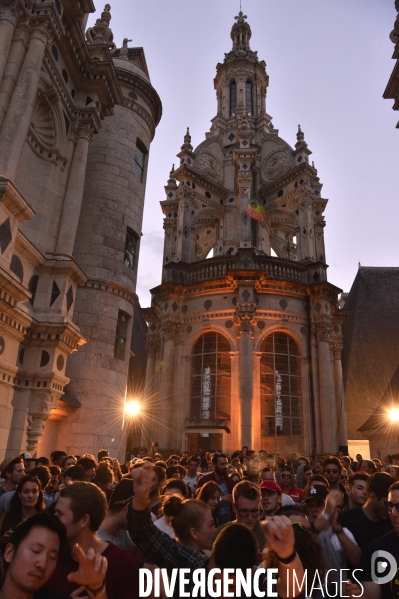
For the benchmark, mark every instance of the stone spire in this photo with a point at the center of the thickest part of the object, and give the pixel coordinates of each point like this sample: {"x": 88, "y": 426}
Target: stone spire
{"x": 241, "y": 34}
{"x": 187, "y": 142}
{"x": 302, "y": 151}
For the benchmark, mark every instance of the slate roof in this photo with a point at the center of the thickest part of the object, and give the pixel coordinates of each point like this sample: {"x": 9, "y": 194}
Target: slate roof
{"x": 370, "y": 356}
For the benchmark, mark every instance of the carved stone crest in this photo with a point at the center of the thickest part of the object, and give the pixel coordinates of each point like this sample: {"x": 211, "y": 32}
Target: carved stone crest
{"x": 276, "y": 165}
{"x": 209, "y": 165}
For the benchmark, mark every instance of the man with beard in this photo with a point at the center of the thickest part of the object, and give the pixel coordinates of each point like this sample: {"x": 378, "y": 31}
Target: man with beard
{"x": 356, "y": 489}
{"x": 219, "y": 476}
{"x": 271, "y": 497}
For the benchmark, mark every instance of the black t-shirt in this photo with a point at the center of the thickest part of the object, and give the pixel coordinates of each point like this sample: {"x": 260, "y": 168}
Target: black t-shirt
{"x": 363, "y": 529}
{"x": 389, "y": 543}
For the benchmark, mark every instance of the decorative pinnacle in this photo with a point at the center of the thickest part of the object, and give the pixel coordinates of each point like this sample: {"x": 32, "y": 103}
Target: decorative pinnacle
{"x": 240, "y": 17}
{"x": 173, "y": 169}
{"x": 187, "y": 141}
{"x": 300, "y": 135}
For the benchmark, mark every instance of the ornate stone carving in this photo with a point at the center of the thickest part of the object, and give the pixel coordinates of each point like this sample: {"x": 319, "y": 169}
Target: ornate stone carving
{"x": 394, "y": 35}
{"x": 323, "y": 331}
{"x": 209, "y": 165}
{"x": 40, "y": 31}
{"x": 39, "y": 410}
{"x": 101, "y": 32}
{"x": 22, "y": 33}
{"x": 43, "y": 122}
{"x": 168, "y": 331}
{"x": 276, "y": 165}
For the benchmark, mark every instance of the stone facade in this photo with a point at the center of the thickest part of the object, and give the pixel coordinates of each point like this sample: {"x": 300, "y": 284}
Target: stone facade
{"x": 77, "y": 116}
{"x": 244, "y": 347}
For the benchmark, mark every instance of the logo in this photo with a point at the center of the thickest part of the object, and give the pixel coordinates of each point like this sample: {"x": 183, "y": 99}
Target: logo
{"x": 383, "y": 567}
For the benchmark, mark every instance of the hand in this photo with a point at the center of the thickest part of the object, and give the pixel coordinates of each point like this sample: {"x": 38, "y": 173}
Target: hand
{"x": 279, "y": 535}
{"x": 350, "y": 589}
{"x": 92, "y": 568}
{"x": 143, "y": 480}
{"x": 334, "y": 499}
{"x": 78, "y": 593}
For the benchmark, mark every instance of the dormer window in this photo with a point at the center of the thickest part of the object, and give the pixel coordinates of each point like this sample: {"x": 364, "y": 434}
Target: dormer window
{"x": 233, "y": 98}
{"x": 248, "y": 97}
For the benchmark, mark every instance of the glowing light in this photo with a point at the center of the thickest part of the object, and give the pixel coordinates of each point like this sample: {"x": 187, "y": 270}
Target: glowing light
{"x": 393, "y": 414}
{"x": 132, "y": 408}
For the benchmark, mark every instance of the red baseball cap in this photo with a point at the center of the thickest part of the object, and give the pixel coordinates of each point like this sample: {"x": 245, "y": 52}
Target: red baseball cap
{"x": 270, "y": 485}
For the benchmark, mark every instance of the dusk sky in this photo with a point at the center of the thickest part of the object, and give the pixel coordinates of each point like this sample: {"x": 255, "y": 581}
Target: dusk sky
{"x": 329, "y": 62}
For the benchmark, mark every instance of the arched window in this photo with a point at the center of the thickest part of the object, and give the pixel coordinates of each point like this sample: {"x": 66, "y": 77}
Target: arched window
{"x": 210, "y": 378}
{"x": 248, "y": 97}
{"x": 281, "y": 395}
{"x": 233, "y": 98}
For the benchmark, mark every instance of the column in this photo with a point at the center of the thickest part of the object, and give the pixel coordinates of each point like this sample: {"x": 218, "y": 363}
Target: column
{"x": 40, "y": 406}
{"x": 234, "y": 439}
{"x": 327, "y": 392}
{"x": 306, "y": 408}
{"x": 164, "y": 412}
{"x": 340, "y": 397}
{"x": 148, "y": 399}
{"x": 316, "y": 390}
{"x": 8, "y": 22}
{"x": 74, "y": 194}
{"x": 13, "y": 67}
{"x": 18, "y": 117}
{"x": 179, "y": 392}
{"x": 245, "y": 350}
{"x": 257, "y": 408}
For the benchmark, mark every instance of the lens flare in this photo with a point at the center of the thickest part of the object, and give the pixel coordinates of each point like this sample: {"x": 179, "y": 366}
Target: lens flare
{"x": 133, "y": 408}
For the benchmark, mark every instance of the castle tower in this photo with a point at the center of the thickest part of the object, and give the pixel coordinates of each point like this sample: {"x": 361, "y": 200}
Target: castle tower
{"x": 107, "y": 249}
{"x": 244, "y": 330}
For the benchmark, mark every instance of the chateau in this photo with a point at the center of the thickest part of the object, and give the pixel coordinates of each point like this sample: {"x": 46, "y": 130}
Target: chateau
{"x": 77, "y": 116}
{"x": 245, "y": 332}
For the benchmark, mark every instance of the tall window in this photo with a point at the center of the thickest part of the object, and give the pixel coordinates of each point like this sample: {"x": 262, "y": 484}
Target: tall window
{"x": 281, "y": 402}
{"x": 254, "y": 233}
{"x": 139, "y": 160}
{"x": 129, "y": 258}
{"x": 121, "y": 336}
{"x": 210, "y": 378}
{"x": 233, "y": 98}
{"x": 248, "y": 95}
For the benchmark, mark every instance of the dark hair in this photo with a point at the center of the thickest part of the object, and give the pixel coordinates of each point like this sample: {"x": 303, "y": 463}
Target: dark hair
{"x": 86, "y": 463}
{"x": 235, "y": 547}
{"x": 13, "y": 516}
{"x": 174, "y": 456}
{"x": 43, "y": 474}
{"x": 55, "y": 470}
{"x": 193, "y": 458}
{"x": 318, "y": 478}
{"x": 171, "y": 470}
{"x": 67, "y": 457}
{"x": 331, "y": 459}
{"x": 217, "y": 455}
{"x": 379, "y": 484}
{"x": 247, "y": 489}
{"x": 185, "y": 514}
{"x": 177, "y": 483}
{"x": 43, "y": 520}
{"x": 207, "y": 491}
{"x": 104, "y": 474}
{"x": 43, "y": 461}
{"x": 75, "y": 472}
{"x": 86, "y": 498}
{"x": 103, "y": 453}
{"x": 350, "y": 481}
{"x": 370, "y": 464}
{"x": 394, "y": 487}
{"x": 57, "y": 455}
{"x": 161, "y": 464}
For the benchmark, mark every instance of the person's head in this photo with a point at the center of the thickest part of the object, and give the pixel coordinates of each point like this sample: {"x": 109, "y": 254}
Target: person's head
{"x": 287, "y": 476}
{"x": 271, "y": 496}
{"x": 68, "y": 462}
{"x": 302, "y": 460}
{"x": 31, "y": 553}
{"x": 42, "y": 461}
{"x": 142, "y": 452}
{"x": 103, "y": 453}
{"x": 368, "y": 466}
{"x": 318, "y": 467}
{"x": 235, "y": 547}
{"x": 55, "y": 479}
{"x": 315, "y": 500}
{"x": 172, "y": 472}
{"x": 104, "y": 476}
{"x": 377, "y": 490}
{"x": 220, "y": 461}
{"x": 13, "y": 471}
{"x": 29, "y": 462}
{"x": 74, "y": 474}
{"x": 173, "y": 460}
{"x": 89, "y": 465}
{"x": 346, "y": 463}
{"x": 192, "y": 465}
{"x": 43, "y": 474}
{"x": 121, "y": 497}
{"x": 246, "y": 503}
{"x": 81, "y": 507}
{"x": 56, "y": 457}
{"x": 235, "y": 477}
{"x": 332, "y": 469}
{"x": 318, "y": 479}
{"x": 393, "y": 471}
{"x": 266, "y": 474}
{"x": 209, "y": 493}
{"x": 175, "y": 486}
{"x": 191, "y": 520}
{"x": 392, "y": 505}
{"x": 356, "y": 487}
{"x": 359, "y": 457}
{"x": 29, "y": 493}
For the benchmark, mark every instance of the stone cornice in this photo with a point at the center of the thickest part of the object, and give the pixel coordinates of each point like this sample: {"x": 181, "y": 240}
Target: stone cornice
{"x": 114, "y": 288}
{"x": 14, "y": 201}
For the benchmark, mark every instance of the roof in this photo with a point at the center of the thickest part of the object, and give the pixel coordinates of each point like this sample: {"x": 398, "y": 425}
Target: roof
{"x": 370, "y": 356}
{"x": 70, "y": 399}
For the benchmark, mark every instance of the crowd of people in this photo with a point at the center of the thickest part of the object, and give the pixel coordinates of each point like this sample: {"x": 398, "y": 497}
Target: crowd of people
{"x": 83, "y": 526}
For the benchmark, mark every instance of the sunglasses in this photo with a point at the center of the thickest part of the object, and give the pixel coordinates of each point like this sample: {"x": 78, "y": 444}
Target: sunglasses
{"x": 389, "y": 506}
{"x": 329, "y": 471}
{"x": 286, "y": 476}
{"x": 246, "y": 513}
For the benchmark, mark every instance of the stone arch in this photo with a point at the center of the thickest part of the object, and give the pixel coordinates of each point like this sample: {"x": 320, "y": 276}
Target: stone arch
{"x": 214, "y": 328}
{"x": 289, "y": 330}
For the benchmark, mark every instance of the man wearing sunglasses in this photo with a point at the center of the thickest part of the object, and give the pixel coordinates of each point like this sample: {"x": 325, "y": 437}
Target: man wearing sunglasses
{"x": 247, "y": 508}
{"x": 332, "y": 471}
{"x": 288, "y": 487}
{"x": 378, "y": 568}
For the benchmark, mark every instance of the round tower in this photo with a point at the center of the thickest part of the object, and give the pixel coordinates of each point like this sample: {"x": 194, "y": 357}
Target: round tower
{"x": 107, "y": 249}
